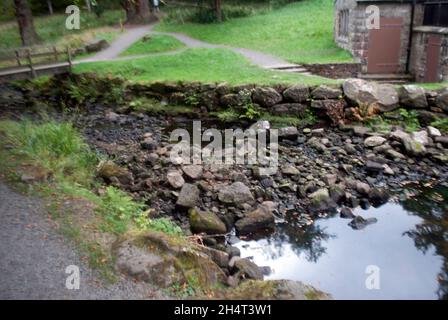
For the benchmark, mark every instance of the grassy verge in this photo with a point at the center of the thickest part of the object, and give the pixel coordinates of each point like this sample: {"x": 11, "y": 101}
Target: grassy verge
{"x": 62, "y": 169}
{"x": 300, "y": 32}
{"x": 51, "y": 29}
{"x": 153, "y": 44}
{"x": 206, "y": 65}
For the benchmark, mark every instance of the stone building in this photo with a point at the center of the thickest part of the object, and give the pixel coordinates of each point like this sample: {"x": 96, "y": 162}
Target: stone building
{"x": 410, "y": 43}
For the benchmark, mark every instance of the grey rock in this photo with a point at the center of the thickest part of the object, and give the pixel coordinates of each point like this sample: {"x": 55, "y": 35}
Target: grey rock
{"x": 248, "y": 269}
{"x": 362, "y": 188}
{"x": 325, "y": 92}
{"x": 206, "y": 222}
{"x": 188, "y": 196}
{"x": 261, "y": 218}
{"x": 294, "y": 109}
{"x": 266, "y": 97}
{"x": 193, "y": 171}
{"x": 364, "y": 93}
{"x": 346, "y": 213}
{"x": 374, "y": 141}
{"x": 412, "y": 96}
{"x": 175, "y": 179}
{"x": 359, "y": 223}
{"x": 288, "y": 133}
{"x": 236, "y": 193}
{"x": 442, "y": 100}
{"x": 297, "y": 93}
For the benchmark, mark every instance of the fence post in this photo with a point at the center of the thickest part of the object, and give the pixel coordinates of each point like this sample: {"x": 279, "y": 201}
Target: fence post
{"x": 18, "y": 57}
{"x": 69, "y": 57}
{"x": 55, "y": 53}
{"x": 30, "y": 62}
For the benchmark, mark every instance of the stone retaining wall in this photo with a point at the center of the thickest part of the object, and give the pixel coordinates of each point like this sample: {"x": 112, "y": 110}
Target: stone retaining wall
{"x": 354, "y": 95}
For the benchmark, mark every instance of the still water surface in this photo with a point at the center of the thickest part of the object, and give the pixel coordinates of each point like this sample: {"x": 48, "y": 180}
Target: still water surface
{"x": 409, "y": 244}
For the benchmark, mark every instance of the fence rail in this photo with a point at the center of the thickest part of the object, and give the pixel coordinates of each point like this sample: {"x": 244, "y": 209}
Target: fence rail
{"x": 31, "y": 62}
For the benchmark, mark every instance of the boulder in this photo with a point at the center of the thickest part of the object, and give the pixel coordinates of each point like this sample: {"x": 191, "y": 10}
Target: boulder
{"x": 324, "y": 92}
{"x": 374, "y": 141}
{"x": 413, "y": 147}
{"x": 266, "y": 97}
{"x": 433, "y": 132}
{"x": 109, "y": 170}
{"x": 412, "y": 96}
{"x": 290, "y": 170}
{"x": 421, "y": 137}
{"x": 205, "y": 222}
{"x": 236, "y": 193}
{"x": 378, "y": 196}
{"x": 232, "y": 100}
{"x": 188, "y": 196}
{"x": 275, "y": 290}
{"x": 261, "y": 218}
{"x": 97, "y": 45}
{"x": 362, "y": 187}
{"x": 321, "y": 201}
{"x": 374, "y": 167}
{"x": 288, "y": 133}
{"x": 193, "y": 171}
{"x": 364, "y": 93}
{"x": 297, "y": 93}
{"x": 248, "y": 269}
{"x": 359, "y": 223}
{"x": 442, "y": 100}
{"x": 175, "y": 179}
{"x": 346, "y": 213}
{"x": 294, "y": 109}
{"x": 162, "y": 261}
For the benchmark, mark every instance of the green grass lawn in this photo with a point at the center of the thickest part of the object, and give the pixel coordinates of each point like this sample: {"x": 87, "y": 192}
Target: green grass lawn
{"x": 206, "y": 65}
{"x": 300, "y": 32}
{"x": 52, "y": 29}
{"x": 153, "y": 44}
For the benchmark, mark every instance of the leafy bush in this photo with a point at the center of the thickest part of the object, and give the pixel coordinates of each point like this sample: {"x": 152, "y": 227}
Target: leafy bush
{"x": 441, "y": 124}
{"x": 58, "y": 147}
{"x": 410, "y": 119}
{"x": 119, "y": 210}
{"x": 164, "y": 225}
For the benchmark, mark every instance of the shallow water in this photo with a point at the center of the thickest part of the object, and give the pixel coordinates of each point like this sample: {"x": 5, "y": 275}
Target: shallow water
{"x": 409, "y": 245}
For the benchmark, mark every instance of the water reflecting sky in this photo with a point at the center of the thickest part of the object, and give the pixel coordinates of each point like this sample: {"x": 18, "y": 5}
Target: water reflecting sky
{"x": 333, "y": 257}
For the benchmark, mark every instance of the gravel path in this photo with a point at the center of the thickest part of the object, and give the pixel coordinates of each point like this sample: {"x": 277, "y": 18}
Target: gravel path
{"x": 34, "y": 257}
{"x": 132, "y": 35}
{"x": 120, "y": 44}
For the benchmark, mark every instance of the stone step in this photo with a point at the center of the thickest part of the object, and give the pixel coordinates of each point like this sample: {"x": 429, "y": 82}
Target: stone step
{"x": 387, "y": 78}
{"x": 283, "y": 66}
{"x": 300, "y": 70}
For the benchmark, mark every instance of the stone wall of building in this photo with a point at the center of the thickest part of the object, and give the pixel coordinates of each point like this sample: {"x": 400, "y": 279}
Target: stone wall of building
{"x": 357, "y": 41}
{"x": 419, "y": 49}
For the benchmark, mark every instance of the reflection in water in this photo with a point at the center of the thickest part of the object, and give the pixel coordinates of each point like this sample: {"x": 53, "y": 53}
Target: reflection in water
{"x": 409, "y": 244}
{"x": 432, "y": 206}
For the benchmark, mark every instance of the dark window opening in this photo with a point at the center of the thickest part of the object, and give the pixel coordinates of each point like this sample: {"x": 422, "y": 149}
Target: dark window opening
{"x": 436, "y": 14}
{"x": 343, "y": 23}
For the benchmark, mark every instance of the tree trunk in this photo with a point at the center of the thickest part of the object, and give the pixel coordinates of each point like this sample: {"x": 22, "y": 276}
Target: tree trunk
{"x": 25, "y": 21}
{"x": 137, "y": 11}
{"x": 89, "y": 7}
{"x": 50, "y": 7}
{"x": 218, "y": 10}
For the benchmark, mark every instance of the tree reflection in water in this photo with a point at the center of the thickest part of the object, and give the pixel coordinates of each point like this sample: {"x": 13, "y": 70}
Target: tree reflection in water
{"x": 307, "y": 241}
{"x": 431, "y": 204}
